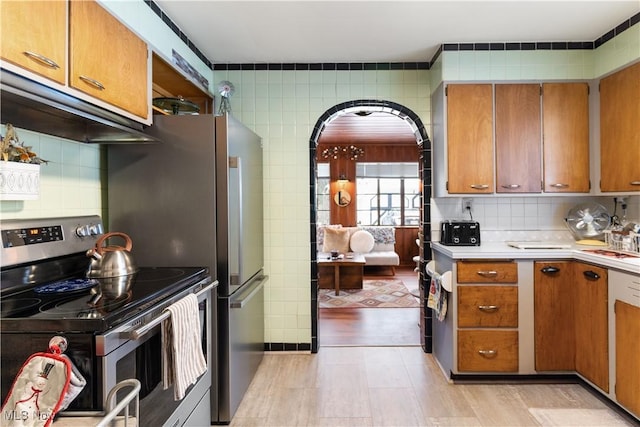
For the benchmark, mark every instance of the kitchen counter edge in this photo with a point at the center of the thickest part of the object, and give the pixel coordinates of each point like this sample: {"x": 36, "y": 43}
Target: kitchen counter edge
{"x": 500, "y": 250}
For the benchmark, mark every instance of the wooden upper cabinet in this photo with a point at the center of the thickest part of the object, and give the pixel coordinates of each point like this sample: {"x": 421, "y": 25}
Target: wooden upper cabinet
{"x": 620, "y": 130}
{"x": 34, "y": 36}
{"x": 565, "y": 122}
{"x": 470, "y": 138}
{"x": 107, "y": 60}
{"x": 518, "y": 139}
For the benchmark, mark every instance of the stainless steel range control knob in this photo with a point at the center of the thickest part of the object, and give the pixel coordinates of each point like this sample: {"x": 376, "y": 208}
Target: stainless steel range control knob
{"x": 82, "y": 231}
{"x": 95, "y": 229}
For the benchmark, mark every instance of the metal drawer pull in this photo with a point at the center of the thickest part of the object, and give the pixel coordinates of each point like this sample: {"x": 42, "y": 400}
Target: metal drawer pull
{"x": 489, "y": 273}
{"x": 549, "y": 270}
{"x": 92, "y": 82}
{"x": 479, "y": 186}
{"x": 488, "y": 308}
{"x": 591, "y": 275}
{"x": 511, "y": 186}
{"x": 559, "y": 185}
{"x": 635, "y": 183}
{"x": 42, "y": 59}
{"x": 488, "y": 353}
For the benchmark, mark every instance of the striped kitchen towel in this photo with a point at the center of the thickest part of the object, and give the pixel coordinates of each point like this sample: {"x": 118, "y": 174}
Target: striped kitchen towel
{"x": 183, "y": 360}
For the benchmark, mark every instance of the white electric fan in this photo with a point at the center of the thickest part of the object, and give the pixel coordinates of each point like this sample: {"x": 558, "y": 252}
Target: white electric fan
{"x": 587, "y": 223}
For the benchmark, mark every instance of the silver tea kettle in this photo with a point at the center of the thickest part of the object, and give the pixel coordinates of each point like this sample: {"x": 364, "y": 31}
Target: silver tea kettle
{"x": 111, "y": 261}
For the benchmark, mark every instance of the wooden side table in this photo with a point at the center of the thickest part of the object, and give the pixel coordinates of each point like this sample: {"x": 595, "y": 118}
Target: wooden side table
{"x": 343, "y": 272}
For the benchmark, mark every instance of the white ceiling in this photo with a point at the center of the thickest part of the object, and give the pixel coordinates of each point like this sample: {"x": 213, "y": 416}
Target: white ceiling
{"x": 307, "y": 31}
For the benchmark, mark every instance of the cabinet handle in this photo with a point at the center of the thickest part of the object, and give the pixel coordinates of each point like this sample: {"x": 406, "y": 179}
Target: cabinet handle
{"x": 92, "y": 82}
{"x": 559, "y": 185}
{"x": 479, "y": 186}
{"x": 635, "y": 183}
{"x": 488, "y": 308}
{"x": 488, "y": 353}
{"x": 549, "y": 270}
{"x": 591, "y": 275}
{"x": 510, "y": 186}
{"x": 42, "y": 59}
{"x": 490, "y": 273}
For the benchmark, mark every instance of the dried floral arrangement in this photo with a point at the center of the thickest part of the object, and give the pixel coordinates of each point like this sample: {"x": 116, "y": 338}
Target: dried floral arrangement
{"x": 15, "y": 151}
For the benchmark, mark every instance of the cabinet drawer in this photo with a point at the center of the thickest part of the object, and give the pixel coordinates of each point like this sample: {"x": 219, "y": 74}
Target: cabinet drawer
{"x": 487, "y": 306}
{"x": 487, "y": 272}
{"x": 488, "y": 351}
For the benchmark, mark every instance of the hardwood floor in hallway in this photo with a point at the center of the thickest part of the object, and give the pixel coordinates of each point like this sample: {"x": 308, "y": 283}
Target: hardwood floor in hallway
{"x": 402, "y": 387}
{"x": 373, "y": 326}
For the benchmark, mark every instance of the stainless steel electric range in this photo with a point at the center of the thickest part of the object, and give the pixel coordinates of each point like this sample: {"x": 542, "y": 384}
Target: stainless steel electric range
{"x": 45, "y": 292}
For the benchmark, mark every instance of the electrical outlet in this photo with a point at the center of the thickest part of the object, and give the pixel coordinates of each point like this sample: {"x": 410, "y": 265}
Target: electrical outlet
{"x": 467, "y": 204}
{"x": 621, "y": 200}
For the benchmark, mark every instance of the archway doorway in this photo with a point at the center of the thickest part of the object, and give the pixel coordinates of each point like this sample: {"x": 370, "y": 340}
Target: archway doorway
{"x": 425, "y": 167}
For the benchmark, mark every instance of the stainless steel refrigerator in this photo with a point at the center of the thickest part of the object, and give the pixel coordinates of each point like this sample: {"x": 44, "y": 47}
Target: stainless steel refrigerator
{"x": 195, "y": 199}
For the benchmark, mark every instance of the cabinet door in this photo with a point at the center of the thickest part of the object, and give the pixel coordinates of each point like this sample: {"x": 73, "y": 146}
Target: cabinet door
{"x": 554, "y": 330}
{"x": 34, "y": 36}
{"x": 620, "y": 130}
{"x": 518, "y": 138}
{"x": 627, "y": 356}
{"x": 107, "y": 60}
{"x": 592, "y": 351}
{"x": 565, "y": 123}
{"x": 470, "y": 138}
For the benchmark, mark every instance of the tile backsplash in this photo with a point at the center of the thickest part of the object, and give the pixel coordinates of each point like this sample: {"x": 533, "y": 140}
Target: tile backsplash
{"x": 513, "y": 215}
{"x": 70, "y": 182}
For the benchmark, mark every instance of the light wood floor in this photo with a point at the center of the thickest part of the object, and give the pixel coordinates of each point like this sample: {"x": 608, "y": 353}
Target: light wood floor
{"x": 372, "y": 326}
{"x": 403, "y": 386}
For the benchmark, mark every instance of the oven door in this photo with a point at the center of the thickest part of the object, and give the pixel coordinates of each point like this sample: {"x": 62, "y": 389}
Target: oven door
{"x": 140, "y": 357}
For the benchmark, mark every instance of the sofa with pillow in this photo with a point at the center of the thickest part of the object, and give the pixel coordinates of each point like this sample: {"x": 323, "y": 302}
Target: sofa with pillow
{"x": 375, "y": 243}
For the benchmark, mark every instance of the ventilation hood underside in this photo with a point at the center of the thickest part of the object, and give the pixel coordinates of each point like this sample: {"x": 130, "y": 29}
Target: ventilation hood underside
{"x": 33, "y": 106}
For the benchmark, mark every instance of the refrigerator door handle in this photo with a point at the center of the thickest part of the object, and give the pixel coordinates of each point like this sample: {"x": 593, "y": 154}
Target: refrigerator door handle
{"x": 245, "y": 297}
{"x": 235, "y": 221}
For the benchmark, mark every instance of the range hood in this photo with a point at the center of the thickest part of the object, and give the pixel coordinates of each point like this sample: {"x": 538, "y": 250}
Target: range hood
{"x": 33, "y": 106}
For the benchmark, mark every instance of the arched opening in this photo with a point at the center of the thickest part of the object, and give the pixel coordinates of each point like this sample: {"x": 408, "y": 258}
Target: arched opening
{"x": 425, "y": 167}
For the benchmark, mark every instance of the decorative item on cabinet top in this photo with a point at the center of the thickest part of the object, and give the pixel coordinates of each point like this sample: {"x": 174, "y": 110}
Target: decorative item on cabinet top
{"x": 19, "y": 168}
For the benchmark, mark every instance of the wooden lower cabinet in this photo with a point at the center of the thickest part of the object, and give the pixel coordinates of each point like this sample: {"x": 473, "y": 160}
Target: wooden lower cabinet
{"x": 628, "y": 356}
{"x": 591, "y": 323}
{"x": 554, "y": 316}
{"x": 487, "y": 351}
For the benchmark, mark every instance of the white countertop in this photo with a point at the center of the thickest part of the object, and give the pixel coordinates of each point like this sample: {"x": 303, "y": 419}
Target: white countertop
{"x": 498, "y": 250}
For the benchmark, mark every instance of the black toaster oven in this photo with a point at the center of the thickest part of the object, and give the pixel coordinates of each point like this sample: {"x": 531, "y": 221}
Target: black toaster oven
{"x": 460, "y": 233}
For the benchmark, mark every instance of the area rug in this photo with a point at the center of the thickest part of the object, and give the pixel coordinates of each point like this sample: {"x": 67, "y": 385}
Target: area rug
{"x": 390, "y": 293}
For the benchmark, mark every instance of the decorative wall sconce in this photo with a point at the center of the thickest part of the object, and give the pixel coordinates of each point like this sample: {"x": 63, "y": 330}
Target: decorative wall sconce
{"x": 342, "y": 197}
{"x": 350, "y": 152}
{"x": 342, "y": 181}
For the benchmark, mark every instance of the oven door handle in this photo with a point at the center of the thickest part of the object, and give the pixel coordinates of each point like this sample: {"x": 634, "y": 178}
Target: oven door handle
{"x": 138, "y": 333}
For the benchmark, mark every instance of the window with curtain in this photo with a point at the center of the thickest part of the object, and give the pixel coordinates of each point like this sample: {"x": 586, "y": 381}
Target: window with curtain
{"x": 388, "y": 193}
{"x": 323, "y": 198}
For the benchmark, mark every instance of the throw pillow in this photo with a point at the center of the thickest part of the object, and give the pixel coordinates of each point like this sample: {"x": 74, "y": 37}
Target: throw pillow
{"x": 336, "y": 239}
{"x": 362, "y": 242}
